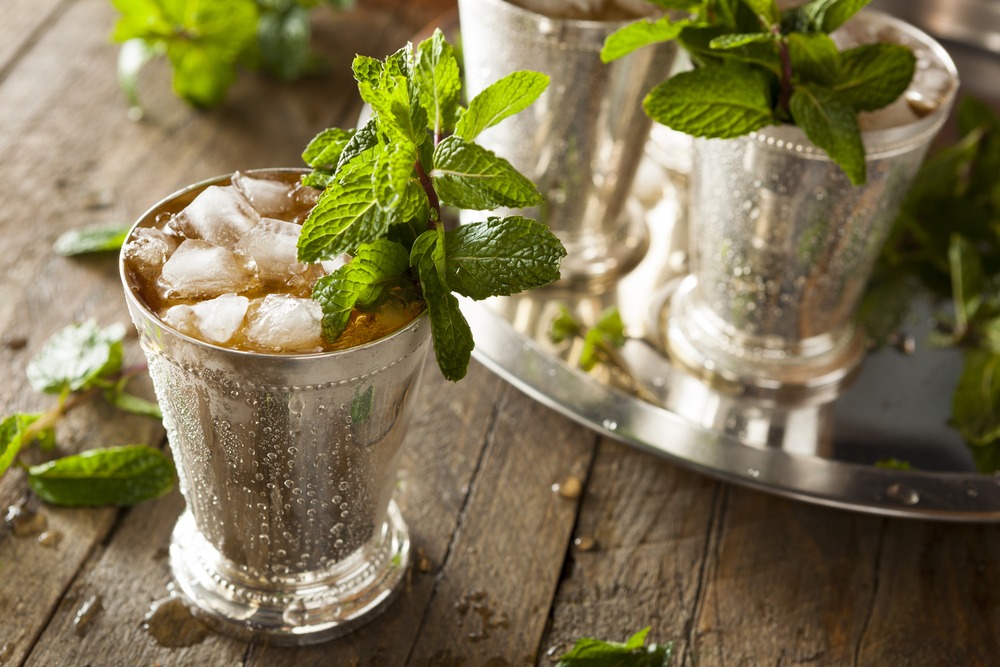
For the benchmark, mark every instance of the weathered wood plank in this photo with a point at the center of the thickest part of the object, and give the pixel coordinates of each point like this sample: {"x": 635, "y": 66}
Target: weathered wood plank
{"x": 639, "y": 547}
{"x": 24, "y": 22}
{"x": 935, "y": 601}
{"x": 785, "y": 584}
{"x": 494, "y": 590}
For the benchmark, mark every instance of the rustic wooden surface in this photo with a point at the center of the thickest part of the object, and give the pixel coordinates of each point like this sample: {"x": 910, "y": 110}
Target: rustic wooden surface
{"x": 512, "y": 572}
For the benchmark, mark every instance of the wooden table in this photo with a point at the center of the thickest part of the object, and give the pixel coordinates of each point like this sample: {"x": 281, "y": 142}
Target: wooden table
{"x": 510, "y": 572}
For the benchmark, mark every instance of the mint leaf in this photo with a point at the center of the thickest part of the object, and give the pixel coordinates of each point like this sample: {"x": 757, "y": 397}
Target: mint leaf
{"x": 114, "y": 476}
{"x": 367, "y": 70}
{"x": 967, "y": 282}
{"x": 325, "y": 149}
{"x": 697, "y": 40}
{"x": 874, "y": 75}
{"x": 765, "y": 10}
{"x": 364, "y": 139}
{"x": 12, "y": 432}
{"x": 589, "y": 652}
{"x": 469, "y": 176}
{"x": 501, "y": 99}
{"x": 133, "y": 404}
{"x": 828, "y": 15}
{"x": 346, "y": 215}
{"x": 636, "y": 35}
{"x": 392, "y": 170}
{"x": 831, "y": 124}
{"x": 75, "y": 357}
{"x": 717, "y": 102}
{"x": 91, "y": 239}
{"x": 283, "y": 38}
{"x": 362, "y": 281}
{"x": 814, "y": 58}
{"x": 564, "y": 326}
{"x": 450, "y": 330}
{"x": 501, "y": 256}
{"x": 438, "y": 82}
{"x": 736, "y": 40}
{"x": 598, "y": 342}
{"x": 976, "y": 402}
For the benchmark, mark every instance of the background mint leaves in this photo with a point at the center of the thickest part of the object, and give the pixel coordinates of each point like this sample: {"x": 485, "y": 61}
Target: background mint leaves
{"x": 756, "y": 65}
{"x": 385, "y": 185}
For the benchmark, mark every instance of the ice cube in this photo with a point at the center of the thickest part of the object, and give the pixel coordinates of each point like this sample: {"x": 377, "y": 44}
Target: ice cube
{"x": 199, "y": 269}
{"x": 214, "y": 321}
{"x": 219, "y": 215}
{"x": 272, "y": 247}
{"x": 148, "y": 249}
{"x": 285, "y": 323}
{"x": 181, "y": 318}
{"x": 272, "y": 199}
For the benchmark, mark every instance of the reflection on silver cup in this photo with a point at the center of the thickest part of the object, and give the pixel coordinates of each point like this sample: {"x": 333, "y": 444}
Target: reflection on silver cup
{"x": 581, "y": 142}
{"x": 287, "y": 465}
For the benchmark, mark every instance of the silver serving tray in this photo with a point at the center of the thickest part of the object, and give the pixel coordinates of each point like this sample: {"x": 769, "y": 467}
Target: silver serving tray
{"x": 898, "y": 408}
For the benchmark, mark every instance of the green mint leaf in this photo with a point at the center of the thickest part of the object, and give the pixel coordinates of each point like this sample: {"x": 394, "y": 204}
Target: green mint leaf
{"x": 469, "y": 176}
{"x": 12, "y": 432}
{"x": 642, "y": 33}
{"x": 697, "y": 41}
{"x": 392, "y": 170}
{"x": 325, "y": 149}
{"x": 438, "y": 82}
{"x": 75, "y": 357}
{"x": 133, "y": 404}
{"x": 564, "y": 326}
{"x": 976, "y": 402}
{"x": 346, "y": 215}
{"x": 717, "y": 102}
{"x": 831, "y": 124}
{"x": 588, "y": 652}
{"x": 501, "y": 99}
{"x": 874, "y": 75}
{"x": 140, "y": 19}
{"x": 828, "y": 15}
{"x": 318, "y": 179}
{"x": 114, "y": 476}
{"x": 367, "y": 70}
{"x": 766, "y": 11}
{"x": 814, "y": 58}
{"x": 361, "y": 281}
{"x": 501, "y": 256}
{"x": 283, "y": 38}
{"x": 679, "y": 5}
{"x": 450, "y": 330}
{"x": 201, "y": 74}
{"x": 724, "y": 42}
{"x": 611, "y": 327}
{"x": 608, "y": 333}
{"x": 364, "y": 139}
{"x": 967, "y": 281}
{"x": 91, "y": 239}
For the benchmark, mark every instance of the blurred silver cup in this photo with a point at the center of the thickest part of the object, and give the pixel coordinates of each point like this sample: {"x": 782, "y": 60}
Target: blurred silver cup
{"x": 287, "y": 465}
{"x": 782, "y": 245}
{"x": 582, "y": 141}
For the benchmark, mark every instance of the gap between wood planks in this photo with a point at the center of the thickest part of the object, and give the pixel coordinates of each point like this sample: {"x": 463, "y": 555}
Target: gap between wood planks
{"x": 870, "y": 607}
{"x": 713, "y": 538}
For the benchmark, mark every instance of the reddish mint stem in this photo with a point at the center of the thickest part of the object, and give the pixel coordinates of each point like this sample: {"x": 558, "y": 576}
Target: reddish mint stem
{"x": 425, "y": 182}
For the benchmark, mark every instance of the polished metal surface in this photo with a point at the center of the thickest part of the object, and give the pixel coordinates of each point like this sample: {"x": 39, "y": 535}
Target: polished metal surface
{"x": 580, "y": 142}
{"x": 783, "y": 244}
{"x": 287, "y": 466}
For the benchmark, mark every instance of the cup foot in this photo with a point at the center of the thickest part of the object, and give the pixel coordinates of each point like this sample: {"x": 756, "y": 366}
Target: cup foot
{"x": 311, "y": 609}
{"x": 741, "y": 365}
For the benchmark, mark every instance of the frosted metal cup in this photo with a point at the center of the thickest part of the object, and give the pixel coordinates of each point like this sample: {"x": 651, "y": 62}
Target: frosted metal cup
{"x": 783, "y": 245}
{"x": 287, "y": 464}
{"x": 582, "y": 141}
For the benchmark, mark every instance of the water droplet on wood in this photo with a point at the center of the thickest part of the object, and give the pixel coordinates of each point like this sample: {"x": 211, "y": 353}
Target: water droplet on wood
{"x": 85, "y": 615}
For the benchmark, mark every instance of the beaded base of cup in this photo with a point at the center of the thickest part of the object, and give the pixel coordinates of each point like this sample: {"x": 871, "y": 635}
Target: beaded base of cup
{"x": 783, "y": 244}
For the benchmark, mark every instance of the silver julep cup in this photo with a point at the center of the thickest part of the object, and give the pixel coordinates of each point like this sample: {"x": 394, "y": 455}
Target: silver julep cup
{"x": 782, "y": 246}
{"x": 287, "y": 464}
{"x": 582, "y": 140}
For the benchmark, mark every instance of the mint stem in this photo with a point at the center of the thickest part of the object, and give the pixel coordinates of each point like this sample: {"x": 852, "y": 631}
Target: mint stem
{"x": 432, "y": 198}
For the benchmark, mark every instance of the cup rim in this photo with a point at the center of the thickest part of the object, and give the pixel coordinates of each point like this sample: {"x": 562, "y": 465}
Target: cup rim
{"x": 582, "y": 25}
{"x": 133, "y": 300}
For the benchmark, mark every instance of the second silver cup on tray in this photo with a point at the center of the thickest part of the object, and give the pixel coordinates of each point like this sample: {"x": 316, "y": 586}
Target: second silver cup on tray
{"x": 581, "y": 142}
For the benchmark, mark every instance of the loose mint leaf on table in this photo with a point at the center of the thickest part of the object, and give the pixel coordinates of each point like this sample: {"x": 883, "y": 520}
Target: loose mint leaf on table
{"x": 500, "y": 256}
{"x": 13, "y": 430}
{"x": 589, "y": 652}
{"x": 831, "y": 124}
{"x": 874, "y": 75}
{"x": 642, "y": 33}
{"x": 469, "y": 176}
{"x": 75, "y": 357}
{"x": 91, "y": 239}
{"x": 113, "y": 476}
{"x": 719, "y": 102}
{"x": 362, "y": 281}
{"x": 501, "y": 99}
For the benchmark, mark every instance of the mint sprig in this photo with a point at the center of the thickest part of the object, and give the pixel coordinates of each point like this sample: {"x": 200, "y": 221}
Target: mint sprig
{"x": 633, "y": 652}
{"x": 80, "y": 361}
{"x": 386, "y": 183}
{"x": 756, "y": 65}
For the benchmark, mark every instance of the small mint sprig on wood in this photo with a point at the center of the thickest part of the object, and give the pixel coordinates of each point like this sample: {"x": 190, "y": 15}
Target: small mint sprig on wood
{"x": 385, "y": 185}
{"x": 756, "y": 65}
